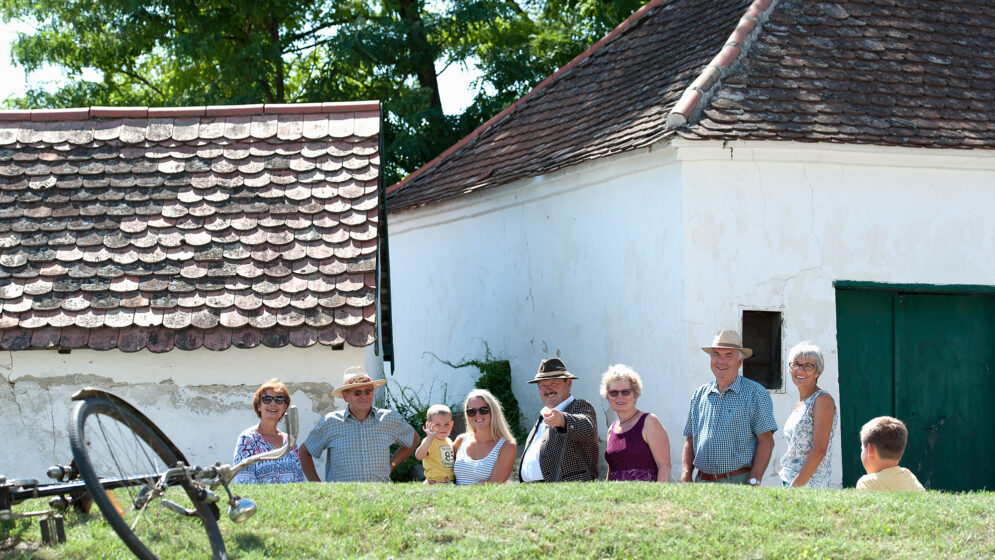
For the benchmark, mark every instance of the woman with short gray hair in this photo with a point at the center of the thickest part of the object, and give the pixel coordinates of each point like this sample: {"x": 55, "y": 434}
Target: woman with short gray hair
{"x": 810, "y": 427}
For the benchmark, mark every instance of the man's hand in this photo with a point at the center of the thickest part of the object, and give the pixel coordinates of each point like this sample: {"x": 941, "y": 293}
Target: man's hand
{"x": 553, "y": 418}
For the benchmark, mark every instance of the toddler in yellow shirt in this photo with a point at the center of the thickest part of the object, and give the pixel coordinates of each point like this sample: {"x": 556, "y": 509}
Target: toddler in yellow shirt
{"x": 882, "y": 443}
{"x": 436, "y": 450}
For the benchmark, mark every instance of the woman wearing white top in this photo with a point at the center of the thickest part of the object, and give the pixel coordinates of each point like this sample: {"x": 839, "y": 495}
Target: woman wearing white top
{"x": 485, "y": 452}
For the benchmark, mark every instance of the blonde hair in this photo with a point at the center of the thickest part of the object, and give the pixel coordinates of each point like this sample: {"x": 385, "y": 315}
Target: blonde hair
{"x": 499, "y": 426}
{"x": 437, "y": 409}
{"x": 888, "y": 436}
{"x": 277, "y": 386}
{"x": 621, "y": 372}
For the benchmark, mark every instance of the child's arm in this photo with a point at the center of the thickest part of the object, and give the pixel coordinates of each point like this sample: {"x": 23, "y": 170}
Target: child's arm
{"x": 426, "y": 443}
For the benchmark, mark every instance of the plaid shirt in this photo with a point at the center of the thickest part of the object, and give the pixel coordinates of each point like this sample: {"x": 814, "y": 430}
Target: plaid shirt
{"x": 359, "y": 451}
{"x": 724, "y": 426}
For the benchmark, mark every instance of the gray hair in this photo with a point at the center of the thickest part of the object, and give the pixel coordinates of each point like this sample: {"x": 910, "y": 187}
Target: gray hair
{"x": 621, "y": 372}
{"x": 810, "y": 350}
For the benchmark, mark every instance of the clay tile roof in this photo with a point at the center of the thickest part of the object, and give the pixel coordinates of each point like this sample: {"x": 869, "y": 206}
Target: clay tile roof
{"x": 160, "y": 228}
{"x": 916, "y": 73}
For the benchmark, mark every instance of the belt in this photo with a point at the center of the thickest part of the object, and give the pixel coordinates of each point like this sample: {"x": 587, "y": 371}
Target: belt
{"x": 714, "y": 477}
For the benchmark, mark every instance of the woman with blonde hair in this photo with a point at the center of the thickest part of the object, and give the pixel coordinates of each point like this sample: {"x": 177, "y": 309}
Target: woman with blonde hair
{"x": 485, "y": 452}
{"x": 638, "y": 447}
{"x": 271, "y": 401}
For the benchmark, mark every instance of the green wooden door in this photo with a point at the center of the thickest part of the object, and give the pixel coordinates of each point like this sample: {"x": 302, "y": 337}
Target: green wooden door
{"x": 929, "y": 360}
{"x": 944, "y": 385}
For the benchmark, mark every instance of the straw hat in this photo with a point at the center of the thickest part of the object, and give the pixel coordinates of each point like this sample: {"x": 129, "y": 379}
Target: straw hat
{"x": 726, "y": 340}
{"x": 354, "y": 377}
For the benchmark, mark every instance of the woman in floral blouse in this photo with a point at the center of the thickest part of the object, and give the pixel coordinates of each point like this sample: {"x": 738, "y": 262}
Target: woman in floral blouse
{"x": 810, "y": 427}
{"x": 270, "y": 402}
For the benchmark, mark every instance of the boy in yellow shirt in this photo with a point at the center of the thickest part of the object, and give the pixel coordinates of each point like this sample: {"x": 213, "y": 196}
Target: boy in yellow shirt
{"x": 882, "y": 443}
{"x": 436, "y": 450}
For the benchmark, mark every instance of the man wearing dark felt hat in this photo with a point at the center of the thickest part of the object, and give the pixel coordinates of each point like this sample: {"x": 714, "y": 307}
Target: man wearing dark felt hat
{"x": 563, "y": 444}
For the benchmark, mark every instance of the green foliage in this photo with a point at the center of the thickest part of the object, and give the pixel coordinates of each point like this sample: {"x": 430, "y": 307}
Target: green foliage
{"x": 496, "y": 378}
{"x": 206, "y": 52}
{"x": 572, "y": 520}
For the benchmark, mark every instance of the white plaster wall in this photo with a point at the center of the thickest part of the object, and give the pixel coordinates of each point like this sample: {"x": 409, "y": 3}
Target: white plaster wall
{"x": 771, "y": 226}
{"x": 584, "y": 264}
{"x": 201, "y": 399}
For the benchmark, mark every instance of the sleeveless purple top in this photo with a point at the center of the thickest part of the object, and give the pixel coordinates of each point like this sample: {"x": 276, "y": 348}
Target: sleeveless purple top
{"x": 628, "y": 455}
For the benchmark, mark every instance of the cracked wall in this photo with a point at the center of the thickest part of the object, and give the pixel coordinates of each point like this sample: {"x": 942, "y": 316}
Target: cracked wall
{"x": 201, "y": 399}
{"x": 584, "y": 264}
{"x": 771, "y": 225}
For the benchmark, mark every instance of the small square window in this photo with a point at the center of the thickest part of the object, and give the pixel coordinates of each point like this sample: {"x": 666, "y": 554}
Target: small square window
{"x": 762, "y": 333}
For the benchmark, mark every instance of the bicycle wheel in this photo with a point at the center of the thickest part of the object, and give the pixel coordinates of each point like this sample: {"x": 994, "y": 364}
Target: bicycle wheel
{"x": 122, "y": 457}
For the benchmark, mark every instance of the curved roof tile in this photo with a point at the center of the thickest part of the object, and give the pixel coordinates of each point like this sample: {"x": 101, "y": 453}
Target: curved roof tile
{"x": 181, "y": 228}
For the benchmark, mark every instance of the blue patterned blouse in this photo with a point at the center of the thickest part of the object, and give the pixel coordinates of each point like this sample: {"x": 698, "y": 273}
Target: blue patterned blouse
{"x": 284, "y": 469}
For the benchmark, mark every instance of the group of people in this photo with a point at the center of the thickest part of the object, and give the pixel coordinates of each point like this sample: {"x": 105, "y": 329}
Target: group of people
{"x": 729, "y": 433}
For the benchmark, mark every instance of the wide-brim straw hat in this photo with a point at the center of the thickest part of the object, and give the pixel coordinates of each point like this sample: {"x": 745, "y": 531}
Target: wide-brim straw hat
{"x": 354, "y": 377}
{"x": 728, "y": 340}
{"x": 552, "y": 368}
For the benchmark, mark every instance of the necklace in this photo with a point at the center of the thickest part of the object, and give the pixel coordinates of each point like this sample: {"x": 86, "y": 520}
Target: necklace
{"x": 634, "y": 414}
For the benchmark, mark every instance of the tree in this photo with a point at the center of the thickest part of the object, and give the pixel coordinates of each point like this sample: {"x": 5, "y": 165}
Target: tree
{"x": 212, "y": 52}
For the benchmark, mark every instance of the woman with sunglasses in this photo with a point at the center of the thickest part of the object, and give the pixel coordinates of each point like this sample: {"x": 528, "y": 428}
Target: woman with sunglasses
{"x": 638, "y": 446}
{"x": 485, "y": 452}
{"x": 809, "y": 429}
{"x": 270, "y": 402}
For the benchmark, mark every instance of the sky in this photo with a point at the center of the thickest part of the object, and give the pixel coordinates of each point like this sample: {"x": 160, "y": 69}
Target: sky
{"x": 454, "y": 81}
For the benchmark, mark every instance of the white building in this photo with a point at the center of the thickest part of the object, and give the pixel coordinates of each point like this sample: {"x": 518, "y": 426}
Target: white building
{"x": 814, "y": 170}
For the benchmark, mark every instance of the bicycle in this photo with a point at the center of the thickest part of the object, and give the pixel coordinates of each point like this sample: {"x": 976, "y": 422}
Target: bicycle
{"x": 138, "y": 479}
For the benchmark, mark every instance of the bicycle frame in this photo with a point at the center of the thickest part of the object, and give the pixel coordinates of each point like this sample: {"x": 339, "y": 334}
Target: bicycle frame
{"x": 15, "y": 491}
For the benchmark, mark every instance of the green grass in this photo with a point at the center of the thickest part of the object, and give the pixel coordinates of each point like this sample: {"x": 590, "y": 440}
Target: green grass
{"x": 593, "y": 520}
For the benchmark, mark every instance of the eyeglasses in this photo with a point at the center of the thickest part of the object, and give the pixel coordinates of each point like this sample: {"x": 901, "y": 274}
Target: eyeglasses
{"x": 804, "y": 367}
{"x": 484, "y": 411}
{"x": 622, "y": 392}
{"x": 358, "y": 392}
{"x": 279, "y": 399}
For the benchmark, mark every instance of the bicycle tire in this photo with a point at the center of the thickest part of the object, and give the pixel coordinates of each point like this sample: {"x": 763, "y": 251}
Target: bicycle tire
{"x": 110, "y": 440}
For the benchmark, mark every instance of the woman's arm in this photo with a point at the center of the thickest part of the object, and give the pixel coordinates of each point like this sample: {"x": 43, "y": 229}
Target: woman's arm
{"x": 504, "y": 463}
{"x": 659, "y": 442}
{"x": 457, "y": 443}
{"x": 242, "y": 451}
{"x": 824, "y": 411}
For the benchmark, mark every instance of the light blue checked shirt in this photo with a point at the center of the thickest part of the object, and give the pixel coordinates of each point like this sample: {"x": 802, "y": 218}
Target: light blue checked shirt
{"x": 359, "y": 451}
{"x": 724, "y": 426}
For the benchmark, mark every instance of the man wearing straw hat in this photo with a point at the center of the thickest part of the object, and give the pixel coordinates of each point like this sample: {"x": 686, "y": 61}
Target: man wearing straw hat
{"x": 730, "y": 426}
{"x": 563, "y": 444}
{"x": 358, "y": 439}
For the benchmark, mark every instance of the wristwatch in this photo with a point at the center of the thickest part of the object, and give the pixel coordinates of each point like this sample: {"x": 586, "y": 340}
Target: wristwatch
{"x": 754, "y": 482}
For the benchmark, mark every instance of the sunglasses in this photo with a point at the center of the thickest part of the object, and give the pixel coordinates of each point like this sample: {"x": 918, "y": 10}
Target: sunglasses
{"x": 358, "y": 392}
{"x": 484, "y": 411}
{"x": 279, "y": 399}
{"x": 623, "y": 392}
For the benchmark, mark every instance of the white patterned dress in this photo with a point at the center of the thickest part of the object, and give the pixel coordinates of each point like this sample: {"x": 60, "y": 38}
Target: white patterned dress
{"x": 798, "y": 432}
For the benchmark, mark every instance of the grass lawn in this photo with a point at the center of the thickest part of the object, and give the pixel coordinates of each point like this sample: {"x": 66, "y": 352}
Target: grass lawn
{"x": 575, "y": 520}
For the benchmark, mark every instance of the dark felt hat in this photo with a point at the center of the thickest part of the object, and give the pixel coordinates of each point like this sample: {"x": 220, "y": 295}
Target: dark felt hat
{"x": 552, "y": 368}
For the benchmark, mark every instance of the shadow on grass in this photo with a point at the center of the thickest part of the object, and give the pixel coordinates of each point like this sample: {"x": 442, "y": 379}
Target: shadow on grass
{"x": 249, "y": 542}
